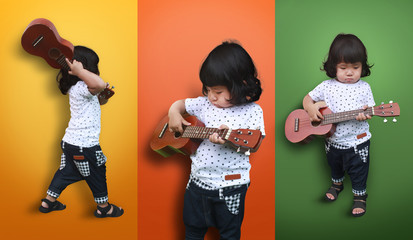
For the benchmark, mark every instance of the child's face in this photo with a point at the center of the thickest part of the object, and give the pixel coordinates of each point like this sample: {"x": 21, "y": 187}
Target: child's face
{"x": 219, "y": 96}
{"x": 348, "y": 72}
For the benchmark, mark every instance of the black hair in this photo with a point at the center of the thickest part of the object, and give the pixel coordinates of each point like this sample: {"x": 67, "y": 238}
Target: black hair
{"x": 230, "y": 65}
{"x": 349, "y": 49}
{"x": 89, "y": 60}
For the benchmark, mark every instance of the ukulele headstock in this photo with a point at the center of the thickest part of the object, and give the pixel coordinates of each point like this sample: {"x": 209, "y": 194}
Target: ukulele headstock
{"x": 390, "y": 109}
{"x": 107, "y": 92}
{"x": 245, "y": 140}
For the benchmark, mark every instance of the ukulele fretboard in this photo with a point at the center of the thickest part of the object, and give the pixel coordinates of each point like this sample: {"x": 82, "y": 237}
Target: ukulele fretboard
{"x": 345, "y": 116}
{"x": 204, "y": 132}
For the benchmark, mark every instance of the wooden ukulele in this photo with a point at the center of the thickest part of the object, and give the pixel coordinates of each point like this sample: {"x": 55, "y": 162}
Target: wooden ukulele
{"x": 299, "y": 128}
{"x": 41, "y": 39}
{"x": 166, "y": 143}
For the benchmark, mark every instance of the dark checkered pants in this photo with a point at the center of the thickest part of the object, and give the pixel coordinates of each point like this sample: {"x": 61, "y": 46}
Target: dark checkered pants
{"x": 355, "y": 161}
{"x": 223, "y": 209}
{"x": 78, "y": 164}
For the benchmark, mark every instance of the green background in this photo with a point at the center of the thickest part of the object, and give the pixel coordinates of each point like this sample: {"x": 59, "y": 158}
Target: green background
{"x": 304, "y": 31}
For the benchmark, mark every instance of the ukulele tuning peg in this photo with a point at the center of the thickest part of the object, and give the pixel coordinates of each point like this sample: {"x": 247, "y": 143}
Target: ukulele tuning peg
{"x": 247, "y": 153}
{"x": 394, "y": 120}
{"x": 382, "y": 103}
{"x": 390, "y": 101}
{"x": 385, "y": 120}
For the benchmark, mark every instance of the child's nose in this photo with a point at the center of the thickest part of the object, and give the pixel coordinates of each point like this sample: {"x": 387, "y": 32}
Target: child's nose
{"x": 213, "y": 97}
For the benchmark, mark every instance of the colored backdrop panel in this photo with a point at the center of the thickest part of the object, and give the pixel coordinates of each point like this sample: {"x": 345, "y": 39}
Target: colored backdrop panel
{"x": 34, "y": 116}
{"x": 174, "y": 39}
{"x": 304, "y": 32}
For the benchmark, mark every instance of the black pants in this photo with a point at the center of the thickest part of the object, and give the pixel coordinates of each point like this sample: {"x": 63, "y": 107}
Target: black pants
{"x": 355, "y": 161}
{"x": 77, "y": 164}
{"x": 208, "y": 208}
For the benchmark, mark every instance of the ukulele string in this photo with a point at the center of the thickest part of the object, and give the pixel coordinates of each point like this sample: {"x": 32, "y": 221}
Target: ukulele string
{"x": 342, "y": 116}
{"x": 202, "y": 132}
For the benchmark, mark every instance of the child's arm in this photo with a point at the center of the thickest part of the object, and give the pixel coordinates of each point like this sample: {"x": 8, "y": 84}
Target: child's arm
{"x": 312, "y": 108}
{"x": 176, "y": 120}
{"x": 94, "y": 83}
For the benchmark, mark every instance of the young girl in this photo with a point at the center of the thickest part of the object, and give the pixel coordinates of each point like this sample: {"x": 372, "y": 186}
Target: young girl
{"x": 219, "y": 176}
{"x": 348, "y": 148}
{"x": 82, "y": 157}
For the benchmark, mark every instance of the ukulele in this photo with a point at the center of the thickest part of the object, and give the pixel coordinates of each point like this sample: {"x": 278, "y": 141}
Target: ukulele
{"x": 299, "y": 127}
{"x": 166, "y": 143}
{"x": 41, "y": 39}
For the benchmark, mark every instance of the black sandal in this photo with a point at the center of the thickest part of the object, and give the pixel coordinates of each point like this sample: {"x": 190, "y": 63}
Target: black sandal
{"x": 334, "y": 190}
{"x": 53, "y": 206}
{"x": 359, "y": 202}
{"x": 116, "y": 212}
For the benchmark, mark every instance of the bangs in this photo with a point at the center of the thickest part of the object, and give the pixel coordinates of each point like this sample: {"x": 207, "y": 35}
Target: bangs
{"x": 349, "y": 53}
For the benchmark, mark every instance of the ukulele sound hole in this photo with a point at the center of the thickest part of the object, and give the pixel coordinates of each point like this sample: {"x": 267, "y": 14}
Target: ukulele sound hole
{"x": 315, "y": 124}
{"x": 54, "y": 53}
{"x": 177, "y": 134}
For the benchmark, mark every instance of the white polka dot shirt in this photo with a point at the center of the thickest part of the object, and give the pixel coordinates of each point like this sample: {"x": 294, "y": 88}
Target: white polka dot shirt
{"x": 84, "y": 125}
{"x": 212, "y": 162}
{"x": 341, "y": 97}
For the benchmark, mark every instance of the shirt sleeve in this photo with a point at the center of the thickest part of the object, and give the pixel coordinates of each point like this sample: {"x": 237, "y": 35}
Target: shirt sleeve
{"x": 370, "y": 98}
{"x": 80, "y": 89}
{"x": 317, "y": 94}
{"x": 257, "y": 118}
{"x": 195, "y": 106}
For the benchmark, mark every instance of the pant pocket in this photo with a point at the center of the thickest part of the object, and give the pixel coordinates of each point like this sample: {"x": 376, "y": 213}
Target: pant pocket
{"x": 364, "y": 154}
{"x": 82, "y": 165}
{"x": 100, "y": 158}
{"x": 233, "y": 203}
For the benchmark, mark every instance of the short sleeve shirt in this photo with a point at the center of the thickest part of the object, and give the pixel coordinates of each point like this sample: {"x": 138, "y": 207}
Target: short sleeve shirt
{"x": 341, "y": 97}
{"x": 212, "y": 162}
{"x": 84, "y": 125}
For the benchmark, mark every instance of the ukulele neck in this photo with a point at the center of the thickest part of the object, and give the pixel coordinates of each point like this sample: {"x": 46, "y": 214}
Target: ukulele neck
{"x": 204, "y": 132}
{"x": 62, "y": 62}
{"x": 345, "y": 116}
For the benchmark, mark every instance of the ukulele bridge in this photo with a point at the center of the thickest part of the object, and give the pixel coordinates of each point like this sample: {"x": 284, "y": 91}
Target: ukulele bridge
{"x": 37, "y": 40}
{"x": 296, "y": 123}
{"x": 163, "y": 130}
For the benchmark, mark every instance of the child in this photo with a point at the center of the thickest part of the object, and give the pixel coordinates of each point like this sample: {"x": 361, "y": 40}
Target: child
{"x": 219, "y": 176}
{"x": 348, "y": 148}
{"x": 82, "y": 157}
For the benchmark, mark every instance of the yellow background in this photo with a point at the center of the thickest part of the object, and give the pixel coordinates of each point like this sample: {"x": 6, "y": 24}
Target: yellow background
{"x": 34, "y": 115}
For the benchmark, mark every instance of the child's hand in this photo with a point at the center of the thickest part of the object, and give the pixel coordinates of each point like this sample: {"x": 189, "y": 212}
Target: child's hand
{"x": 313, "y": 111}
{"x": 75, "y": 67}
{"x": 313, "y": 108}
{"x": 362, "y": 116}
{"x": 215, "y": 138}
{"x": 176, "y": 121}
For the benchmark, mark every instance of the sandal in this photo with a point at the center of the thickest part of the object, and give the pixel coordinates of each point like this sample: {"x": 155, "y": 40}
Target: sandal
{"x": 116, "y": 212}
{"x": 334, "y": 190}
{"x": 53, "y": 206}
{"x": 359, "y": 202}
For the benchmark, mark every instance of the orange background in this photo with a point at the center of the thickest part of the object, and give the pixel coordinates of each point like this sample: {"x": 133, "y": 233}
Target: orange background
{"x": 34, "y": 115}
{"x": 174, "y": 37}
